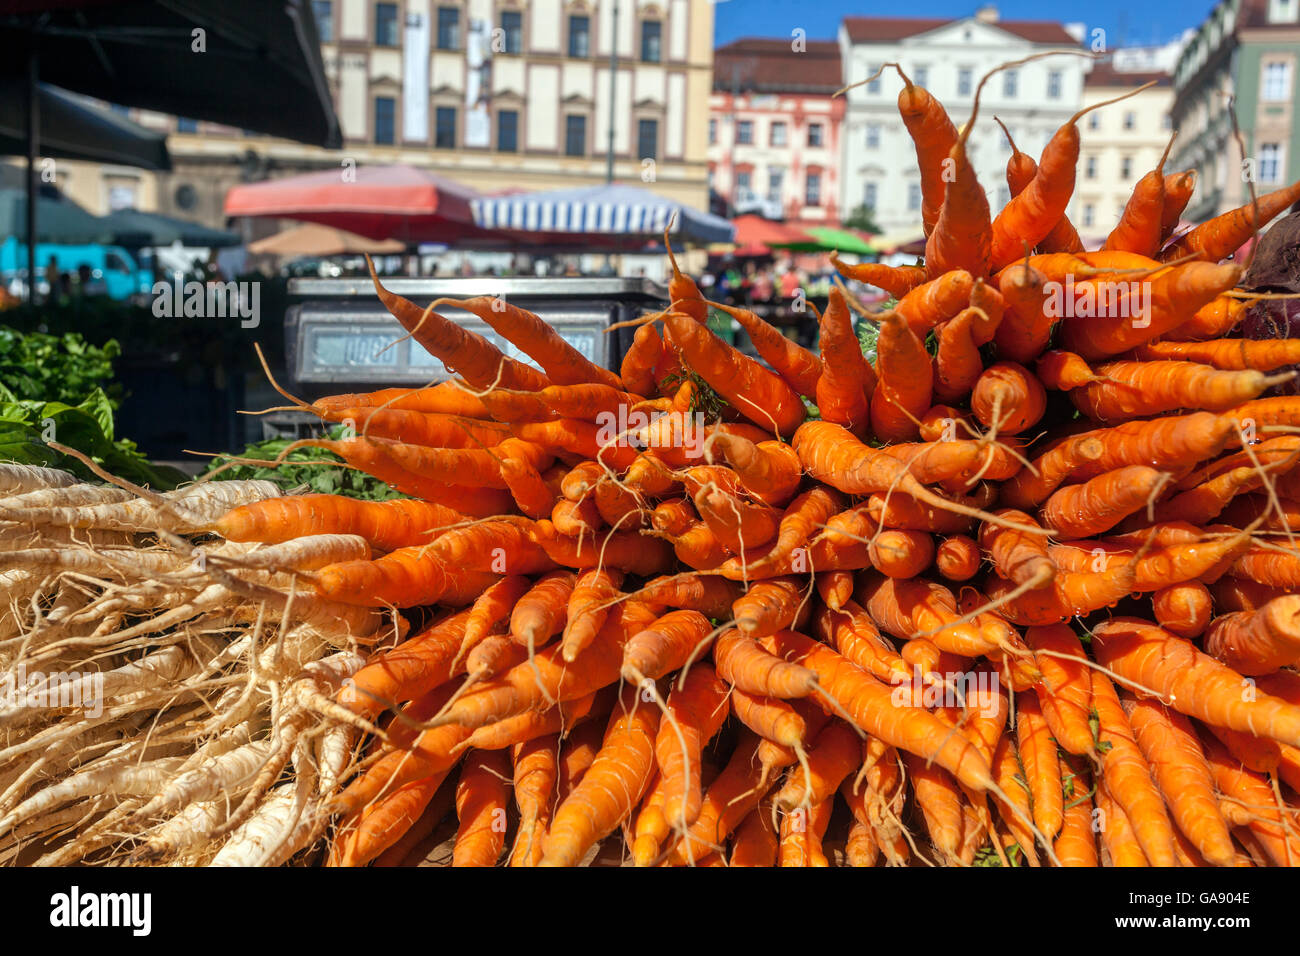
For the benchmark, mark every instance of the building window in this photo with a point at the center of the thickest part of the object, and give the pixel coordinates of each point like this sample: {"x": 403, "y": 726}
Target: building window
{"x": 575, "y": 135}
{"x": 873, "y": 136}
{"x": 512, "y": 30}
{"x": 448, "y": 28}
{"x": 1090, "y": 168}
{"x": 1094, "y": 120}
{"x": 869, "y": 196}
{"x": 385, "y": 24}
{"x": 1089, "y": 213}
{"x": 775, "y": 180}
{"x": 812, "y": 192}
{"x": 1126, "y": 168}
{"x": 508, "y": 131}
{"x": 1281, "y": 11}
{"x": 1010, "y": 83}
{"x": 1053, "y": 84}
{"x": 744, "y": 132}
{"x": 1277, "y": 81}
{"x": 913, "y": 197}
{"x": 579, "y": 37}
{"x": 444, "y": 127}
{"x": 874, "y": 85}
{"x": 777, "y": 135}
{"x": 647, "y": 139}
{"x": 742, "y": 185}
{"x": 921, "y": 75}
{"x": 1130, "y": 120}
{"x": 323, "y": 11}
{"x": 713, "y": 132}
{"x": 385, "y": 115}
{"x": 816, "y": 134}
{"x": 965, "y": 80}
{"x": 1270, "y": 162}
{"x": 186, "y": 125}
{"x": 651, "y": 35}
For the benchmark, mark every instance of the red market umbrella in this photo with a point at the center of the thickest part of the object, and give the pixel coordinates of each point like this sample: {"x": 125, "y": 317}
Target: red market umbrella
{"x": 755, "y": 235}
{"x": 378, "y": 202}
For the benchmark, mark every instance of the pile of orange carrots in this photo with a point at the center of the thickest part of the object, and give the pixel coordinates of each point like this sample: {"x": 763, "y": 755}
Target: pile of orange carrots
{"x": 1026, "y": 596}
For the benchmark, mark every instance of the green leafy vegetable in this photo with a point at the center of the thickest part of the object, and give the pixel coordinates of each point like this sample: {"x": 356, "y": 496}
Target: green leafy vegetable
{"x": 303, "y": 470}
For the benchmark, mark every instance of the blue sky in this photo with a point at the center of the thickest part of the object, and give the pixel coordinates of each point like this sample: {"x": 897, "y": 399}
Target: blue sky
{"x": 1126, "y": 23}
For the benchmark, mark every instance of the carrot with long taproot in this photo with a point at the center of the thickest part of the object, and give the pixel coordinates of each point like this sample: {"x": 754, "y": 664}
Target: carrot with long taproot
{"x": 611, "y": 787}
{"x": 665, "y": 645}
{"x": 760, "y": 395}
{"x": 467, "y": 353}
{"x": 1128, "y": 775}
{"x": 1191, "y": 682}
{"x": 748, "y": 666}
{"x": 482, "y": 795}
{"x": 844, "y": 388}
{"x": 1260, "y": 641}
{"x": 1097, "y": 505}
{"x": 1221, "y": 236}
{"x": 905, "y": 381}
{"x": 896, "y": 280}
{"x": 794, "y": 363}
{"x": 1037, "y": 750}
{"x": 694, "y": 712}
{"x": 536, "y": 765}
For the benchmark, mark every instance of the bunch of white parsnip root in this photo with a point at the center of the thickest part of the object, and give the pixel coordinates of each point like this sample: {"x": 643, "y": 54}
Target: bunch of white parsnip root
{"x": 163, "y": 693}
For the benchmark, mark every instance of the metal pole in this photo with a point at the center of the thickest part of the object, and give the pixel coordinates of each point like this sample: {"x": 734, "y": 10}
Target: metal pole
{"x": 613, "y": 83}
{"x": 33, "y": 135}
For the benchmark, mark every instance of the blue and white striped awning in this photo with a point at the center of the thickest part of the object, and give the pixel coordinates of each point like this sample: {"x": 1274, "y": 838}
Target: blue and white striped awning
{"x": 614, "y": 210}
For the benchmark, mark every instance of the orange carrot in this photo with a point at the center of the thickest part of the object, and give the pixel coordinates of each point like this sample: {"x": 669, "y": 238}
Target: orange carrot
{"x": 1191, "y": 682}
{"x": 1080, "y": 511}
{"x": 695, "y": 712}
{"x": 843, "y": 391}
{"x": 1219, "y": 237}
{"x": 761, "y": 396}
{"x": 747, "y": 666}
{"x": 612, "y": 786}
{"x": 1037, "y": 750}
{"x": 481, "y": 798}
{"x": 1260, "y": 641}
{"x": 588, "y": 608}
{"x": 535, "y": 768}
{"x": 794, "y": 363}
{"x": 895, "y": 280}
{"x": 467, "y": 353}
{"x": 1183, "y": 609}
{"x": 905, "y": 381}
{"x": 772, "y": 604}
{"x": 933, "y": 135}
{"x": 1008, "y": 398}
{"x": 869, "y": 704}
{"x": 1128, "y": 775}
{"x": 387, "y": 525}
{"x": 1140, "y": 226}
{"x": 957, "y": 558}
{"x": 665, "y": 645}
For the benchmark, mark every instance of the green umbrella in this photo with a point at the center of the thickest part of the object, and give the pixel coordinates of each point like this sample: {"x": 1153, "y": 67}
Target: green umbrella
{"x": 130, "y": 227}
{"x": 60, "y": 221}
{"x": 826, "y": 239}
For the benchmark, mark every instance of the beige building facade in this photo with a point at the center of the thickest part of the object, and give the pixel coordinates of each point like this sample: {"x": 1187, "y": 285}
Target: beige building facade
{"x": 1121, "y": 143}
{"x": 497, "y": 94}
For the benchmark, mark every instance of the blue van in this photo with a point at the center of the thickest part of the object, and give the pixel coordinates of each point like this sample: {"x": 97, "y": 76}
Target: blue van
{"x": 112, "y": 267}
